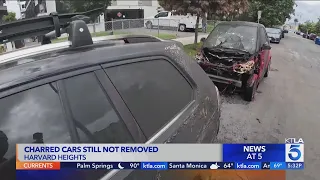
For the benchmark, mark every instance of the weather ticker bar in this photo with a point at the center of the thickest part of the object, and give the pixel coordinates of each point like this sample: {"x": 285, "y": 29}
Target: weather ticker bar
{"x": 165, "y": 165}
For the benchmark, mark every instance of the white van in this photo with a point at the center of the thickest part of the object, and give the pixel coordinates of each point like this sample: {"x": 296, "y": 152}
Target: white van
{"x": 172, "y": 19}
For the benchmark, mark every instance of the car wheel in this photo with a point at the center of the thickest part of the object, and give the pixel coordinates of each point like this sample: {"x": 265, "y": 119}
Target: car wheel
{"x": 250, "y": 91}
{"x": 182, "y": 27}
{"x": 267, "y": 71}
{"x": 149, "y": 25}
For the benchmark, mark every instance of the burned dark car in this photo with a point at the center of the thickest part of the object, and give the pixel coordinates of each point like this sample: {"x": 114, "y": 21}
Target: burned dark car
{"x": 236, "y": 54}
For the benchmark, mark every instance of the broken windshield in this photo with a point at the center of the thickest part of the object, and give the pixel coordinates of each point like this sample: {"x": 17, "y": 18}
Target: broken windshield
{"x": 239, "y": 37}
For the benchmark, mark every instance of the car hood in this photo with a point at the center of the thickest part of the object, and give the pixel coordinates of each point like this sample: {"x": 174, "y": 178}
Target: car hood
{"x": 273, "y": 35}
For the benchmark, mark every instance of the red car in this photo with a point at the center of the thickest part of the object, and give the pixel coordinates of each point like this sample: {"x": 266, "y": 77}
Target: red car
{"x": 237, "y": 54}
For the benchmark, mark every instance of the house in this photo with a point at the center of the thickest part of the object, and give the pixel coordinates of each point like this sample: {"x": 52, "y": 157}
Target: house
{"x": 134, "y": 9}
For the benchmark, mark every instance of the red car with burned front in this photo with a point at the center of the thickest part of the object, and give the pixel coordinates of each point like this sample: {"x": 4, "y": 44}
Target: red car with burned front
{"x": 236, "y": 54}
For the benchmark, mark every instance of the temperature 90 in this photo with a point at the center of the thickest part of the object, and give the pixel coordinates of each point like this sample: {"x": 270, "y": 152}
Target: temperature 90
{"x": 134, "y": 165}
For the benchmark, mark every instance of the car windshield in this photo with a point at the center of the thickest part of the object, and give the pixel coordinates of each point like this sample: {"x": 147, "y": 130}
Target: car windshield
{"x": 232, "y": 36}
{"x": 273, "y": 30}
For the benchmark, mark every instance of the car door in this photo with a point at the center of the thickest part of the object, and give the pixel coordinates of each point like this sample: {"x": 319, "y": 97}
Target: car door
{"x": 148, "y": 93}
{"x": 163, "y": 19}
{"x": 75, "y": 107}
{"x": 263, "y": 54}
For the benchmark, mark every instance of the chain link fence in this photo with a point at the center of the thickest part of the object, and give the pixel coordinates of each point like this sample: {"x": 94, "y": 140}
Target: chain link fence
{"x": 162, "y": 28}
{"x": 166, "y": 29}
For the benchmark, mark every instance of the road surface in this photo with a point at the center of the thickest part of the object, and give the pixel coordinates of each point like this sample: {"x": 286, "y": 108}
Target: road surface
{"x": 287, "y": 104}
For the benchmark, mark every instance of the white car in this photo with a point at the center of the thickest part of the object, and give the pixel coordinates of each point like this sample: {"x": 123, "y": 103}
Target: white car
{"x": 170, "y": 19}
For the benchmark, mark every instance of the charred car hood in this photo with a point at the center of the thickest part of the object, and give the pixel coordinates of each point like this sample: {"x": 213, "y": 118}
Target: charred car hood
{"x": 225, "y": 56}
{"x": 226, "y": 62}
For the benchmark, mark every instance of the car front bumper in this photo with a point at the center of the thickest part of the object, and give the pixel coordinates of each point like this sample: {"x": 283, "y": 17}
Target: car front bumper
{"x": 274, "y": 39}
{"x": 223, "y": 80}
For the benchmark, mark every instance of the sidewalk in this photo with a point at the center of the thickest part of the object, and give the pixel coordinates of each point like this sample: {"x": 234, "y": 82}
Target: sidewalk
{"x": 189, "y": 40}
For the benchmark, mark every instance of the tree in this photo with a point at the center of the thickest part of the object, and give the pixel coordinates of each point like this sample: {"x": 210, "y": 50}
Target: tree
{"x": 274, "y": 12}
{"x": 200, "y": 7}
{"x": 10, "y": 17}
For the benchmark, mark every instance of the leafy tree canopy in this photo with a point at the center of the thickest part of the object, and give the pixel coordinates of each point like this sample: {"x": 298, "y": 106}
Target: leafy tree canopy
{"x": 274, "y": 12}
{"x": 10, "y": 17}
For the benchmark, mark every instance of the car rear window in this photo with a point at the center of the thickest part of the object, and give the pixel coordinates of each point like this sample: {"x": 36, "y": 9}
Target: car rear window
{"x": 148, "y": 88}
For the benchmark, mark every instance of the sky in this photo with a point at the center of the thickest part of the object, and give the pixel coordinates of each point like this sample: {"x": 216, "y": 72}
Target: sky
{"x": 307, "y": 10}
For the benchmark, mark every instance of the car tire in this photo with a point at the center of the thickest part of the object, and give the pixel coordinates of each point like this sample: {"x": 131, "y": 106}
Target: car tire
{"x": 250, "y": 91}
{"x": 182, "y": 27}
{"x": 149, "y": 25}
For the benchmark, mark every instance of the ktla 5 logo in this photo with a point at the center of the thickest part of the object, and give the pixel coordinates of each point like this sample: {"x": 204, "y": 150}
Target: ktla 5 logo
{"x": 294, "y": 152}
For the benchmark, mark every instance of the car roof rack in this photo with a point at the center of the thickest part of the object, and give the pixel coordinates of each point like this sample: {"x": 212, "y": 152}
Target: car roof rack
{"x": 51, "y": 26}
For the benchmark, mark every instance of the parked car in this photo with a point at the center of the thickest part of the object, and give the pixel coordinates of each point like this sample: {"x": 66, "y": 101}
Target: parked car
{"x": 305, "y": 35}
{"x": 274, "y": 35}
{"x": 172, "y": 19}
{"x": 119, "y": 89}
{"x": 312, "y": 36}
{"x": 237, "y": 54}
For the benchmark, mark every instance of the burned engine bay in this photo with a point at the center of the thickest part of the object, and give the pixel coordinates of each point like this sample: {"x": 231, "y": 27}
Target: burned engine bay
{"x": 226, "y": 62}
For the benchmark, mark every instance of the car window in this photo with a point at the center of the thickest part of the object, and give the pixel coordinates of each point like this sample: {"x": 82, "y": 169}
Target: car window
{"x": 263, "y": 37}
{"x": 34, "y": 115}
{"x": 162, "y": 14}
{"x": 148, "y": 88}
{"x": 94, "y": 116}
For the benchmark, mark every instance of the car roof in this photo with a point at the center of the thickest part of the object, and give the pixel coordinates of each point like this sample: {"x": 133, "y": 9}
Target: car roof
{"x": 244, "y": 23}
{"x": 32, "y": 50}
{"x": 55, "y": 61}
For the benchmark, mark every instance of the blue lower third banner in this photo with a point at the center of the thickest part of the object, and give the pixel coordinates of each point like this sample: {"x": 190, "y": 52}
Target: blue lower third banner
{"x": 254, "y": 152}
{"x": 146, "y": 165}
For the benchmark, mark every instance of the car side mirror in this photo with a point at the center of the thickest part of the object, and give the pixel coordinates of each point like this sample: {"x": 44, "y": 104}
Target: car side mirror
{"x": 266, "y": 46}
{"x": 202, "y": 39}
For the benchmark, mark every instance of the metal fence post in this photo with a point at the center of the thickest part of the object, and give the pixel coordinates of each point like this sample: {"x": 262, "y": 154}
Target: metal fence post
{"x": 177, "y": 30}
{"x": 112, "y": 26}
{"x": 158, "y": 27}
{"x": 122, "y": 25}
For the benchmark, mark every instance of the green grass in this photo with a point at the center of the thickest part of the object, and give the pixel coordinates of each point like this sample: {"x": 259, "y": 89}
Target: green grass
{"x": 166, "y": 36}
{"x": 191, "y": 49}
{"x": 104, "y": 33}
{"x": 209, "y": 28}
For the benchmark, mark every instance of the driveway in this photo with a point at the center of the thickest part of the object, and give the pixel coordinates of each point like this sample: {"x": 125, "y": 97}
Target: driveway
{"x": 287, "y": 105}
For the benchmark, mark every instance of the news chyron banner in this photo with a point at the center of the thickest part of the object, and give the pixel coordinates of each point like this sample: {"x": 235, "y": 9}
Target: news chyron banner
{"x": 288, "y": 156}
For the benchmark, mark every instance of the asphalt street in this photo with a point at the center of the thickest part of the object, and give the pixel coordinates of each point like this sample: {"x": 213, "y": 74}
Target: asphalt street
{"x": 287, "y": 104}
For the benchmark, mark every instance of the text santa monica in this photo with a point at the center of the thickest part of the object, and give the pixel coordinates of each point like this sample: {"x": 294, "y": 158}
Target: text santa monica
{"x": 88, "y": 149}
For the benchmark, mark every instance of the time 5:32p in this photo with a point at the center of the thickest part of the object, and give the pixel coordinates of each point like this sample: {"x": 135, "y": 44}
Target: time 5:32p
{"x": 295, "y": 165}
